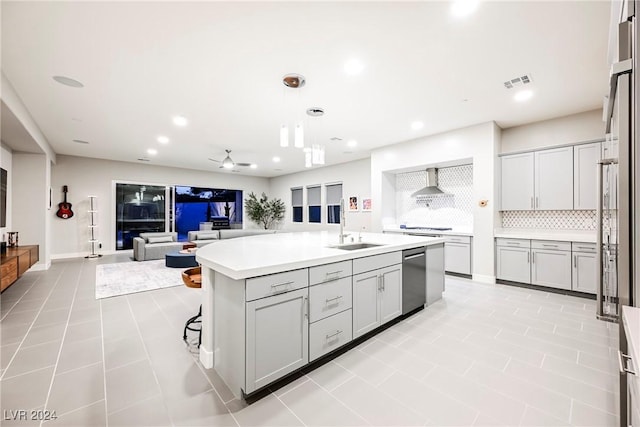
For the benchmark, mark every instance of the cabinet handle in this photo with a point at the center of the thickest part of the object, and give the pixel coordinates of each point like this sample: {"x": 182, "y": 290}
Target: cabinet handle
{"x": 533, "y": 257}
{"x": 335, "y": 334}
{"x": 382, "y": 280}
{"x": 588, "y": 248}
{"x": 379, "y": 283}
{"x": 305, "y": 308}
{"x": 528, "y": 257}
{"x": 550, "y": 246}
{"x": 280, "y": 284}
{"x": 329, "y": 300}
{"x": 624, "y": 367}
{"x": 513, "y": 243}
{"x": 333, "y": 275}
{"x": 575, "y": 261}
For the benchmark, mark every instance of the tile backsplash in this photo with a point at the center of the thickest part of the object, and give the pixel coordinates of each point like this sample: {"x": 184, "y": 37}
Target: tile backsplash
{"x": 453, "y": 209}
{"x": 565, "y": 220}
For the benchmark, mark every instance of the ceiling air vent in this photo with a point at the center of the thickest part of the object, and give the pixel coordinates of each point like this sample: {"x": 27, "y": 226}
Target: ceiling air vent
{"x": 518, "y": 81}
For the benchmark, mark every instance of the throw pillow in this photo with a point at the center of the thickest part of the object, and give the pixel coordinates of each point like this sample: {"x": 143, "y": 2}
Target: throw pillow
{"x": 161, "y": 239}
{"x": 207, "y": 236}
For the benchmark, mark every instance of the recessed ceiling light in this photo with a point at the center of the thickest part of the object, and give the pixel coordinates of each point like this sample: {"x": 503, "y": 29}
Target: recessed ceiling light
{"x": 253, "y": 166}
{"x": 163, "y": 140}
{"x": 523, "y": 95}
{"x": 353, "y": 66}
{"x": 180, "y": 121}
{"x": 152, "y": 151}
{"x": 462, "y": 8}
{"x": 67, "y": 81}
{"x": 352, "y": 143}
{"x": 417, "y": 125}
{"x": 79, "y": 141}
{"x": 276, "y": 159}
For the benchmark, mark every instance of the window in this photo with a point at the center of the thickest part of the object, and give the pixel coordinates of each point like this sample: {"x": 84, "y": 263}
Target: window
{"x": 296, "y": 202}
{"x": 334, "y": 195}
{"x": 313, "y": 201}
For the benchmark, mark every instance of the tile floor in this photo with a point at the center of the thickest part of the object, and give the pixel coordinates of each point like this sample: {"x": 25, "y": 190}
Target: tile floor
{"x": 484, "y": 355}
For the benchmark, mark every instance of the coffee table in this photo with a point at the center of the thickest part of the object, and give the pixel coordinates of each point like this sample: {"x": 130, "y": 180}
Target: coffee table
{"x": 180, "y": 260}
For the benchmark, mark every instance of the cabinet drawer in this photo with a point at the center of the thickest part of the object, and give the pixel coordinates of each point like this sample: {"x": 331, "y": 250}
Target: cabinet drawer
{"x": 514, "y": 243}
{"x": 583, "y": 247}
{"x": 329, "y": 298}
{"x": 361, "y": 265}
{"x": 265, "y": 286}
{"x": 329, "y": 272}
{"x": 457, "y": 239}
{"x": 9, "y": 273}
{"x": 329, "y": 334}
{"x": 551, "y": 244}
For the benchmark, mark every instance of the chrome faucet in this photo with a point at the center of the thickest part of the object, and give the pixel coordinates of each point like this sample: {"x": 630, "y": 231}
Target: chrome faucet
{"x": 342, "y": 234}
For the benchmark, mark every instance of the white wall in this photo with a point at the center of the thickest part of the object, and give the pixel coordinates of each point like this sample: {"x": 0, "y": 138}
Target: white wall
{"x": 30, "y": 200}
{"x": 480, "y": 144}
{"x": 355, "y": 179}
{"x": 86, "y": 176}
{"x": 587, "y": 126}
{"x": 5, "y": 163}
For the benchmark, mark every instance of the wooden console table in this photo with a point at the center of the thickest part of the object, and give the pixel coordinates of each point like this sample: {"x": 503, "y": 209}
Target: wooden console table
{"x": 15, "y": 262}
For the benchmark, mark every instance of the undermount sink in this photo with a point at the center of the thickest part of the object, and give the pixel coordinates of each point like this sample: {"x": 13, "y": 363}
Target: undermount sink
{"x": 354, "y": 246}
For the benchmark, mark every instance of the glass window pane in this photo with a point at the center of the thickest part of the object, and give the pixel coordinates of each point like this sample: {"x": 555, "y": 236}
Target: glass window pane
{"x": 139, "y": 209}
{"x": 297, "y": 214}
{"x": 314, "y": 213}
{"x": 333, "y": 214}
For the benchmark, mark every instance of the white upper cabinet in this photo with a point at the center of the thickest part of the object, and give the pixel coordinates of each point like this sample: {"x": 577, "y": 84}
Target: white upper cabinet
{"x": 554, "y": 179}
{"x": 517, "y": 182}
{"x": 585, "y": 162}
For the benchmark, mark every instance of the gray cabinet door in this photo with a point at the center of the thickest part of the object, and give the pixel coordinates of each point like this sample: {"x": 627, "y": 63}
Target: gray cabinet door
{"x": 390, "y": 296}
{"x": 554, "y": 179}
{"x": 277, "y": 340}
{"x": 584, "y": 272}
{"x": 513, "y": 264}
{"x": 457, "y": 257}
{"x": 516, "y": 189}
{"x": 551, "y": 268}
{"x": 365, "y": 302}
{"x": 585, "y": 160}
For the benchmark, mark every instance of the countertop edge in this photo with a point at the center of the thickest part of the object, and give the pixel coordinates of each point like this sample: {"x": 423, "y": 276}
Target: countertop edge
{"x": 288, "y": 266}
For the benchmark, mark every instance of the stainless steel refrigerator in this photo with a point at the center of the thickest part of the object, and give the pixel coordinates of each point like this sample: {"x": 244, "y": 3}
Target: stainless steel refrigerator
{"x": 618, "y": 182}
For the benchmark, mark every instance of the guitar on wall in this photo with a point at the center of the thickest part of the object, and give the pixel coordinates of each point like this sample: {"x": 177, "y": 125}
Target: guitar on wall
{"x": 64, "y": 208}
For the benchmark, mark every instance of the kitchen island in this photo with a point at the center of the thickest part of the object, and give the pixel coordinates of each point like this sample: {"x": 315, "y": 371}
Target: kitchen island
{"x": 274, "y": 303}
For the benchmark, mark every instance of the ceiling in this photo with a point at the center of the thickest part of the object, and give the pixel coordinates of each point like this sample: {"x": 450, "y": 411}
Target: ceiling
{"x": 220, "y": 65}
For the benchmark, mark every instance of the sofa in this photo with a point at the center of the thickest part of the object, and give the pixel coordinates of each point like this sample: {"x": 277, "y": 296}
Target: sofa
{"x": 202, "y": 238}
{"x": 155, "y": 245}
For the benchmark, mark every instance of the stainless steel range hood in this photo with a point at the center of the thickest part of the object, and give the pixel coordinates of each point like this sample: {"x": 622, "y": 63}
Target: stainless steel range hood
{"x": 431, "y": 189}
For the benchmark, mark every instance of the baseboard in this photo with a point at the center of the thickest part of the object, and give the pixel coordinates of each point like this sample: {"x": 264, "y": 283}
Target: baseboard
{"x": 206, "y": 357}
{"x": 491, "y": 280}
{"x": 69, "y": 255}
{"x": 41, "y": 266}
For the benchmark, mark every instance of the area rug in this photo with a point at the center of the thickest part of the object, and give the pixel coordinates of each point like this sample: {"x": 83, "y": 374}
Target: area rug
{"x": 137, "y": 276}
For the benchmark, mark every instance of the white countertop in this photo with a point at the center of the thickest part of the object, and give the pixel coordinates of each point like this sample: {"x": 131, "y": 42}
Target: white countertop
{"x": 585, "y": 236}
{"x": 253, "y": 256}
{"x": 631, "y": 321}
{"x": 455, "y": 231}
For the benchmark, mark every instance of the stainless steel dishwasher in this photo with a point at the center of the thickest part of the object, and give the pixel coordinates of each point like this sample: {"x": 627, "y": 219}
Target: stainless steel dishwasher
{"x": 414, "y": 279}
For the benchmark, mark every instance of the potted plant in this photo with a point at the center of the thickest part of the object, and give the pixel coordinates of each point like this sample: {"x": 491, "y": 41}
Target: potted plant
{"x": 264, "y": 211}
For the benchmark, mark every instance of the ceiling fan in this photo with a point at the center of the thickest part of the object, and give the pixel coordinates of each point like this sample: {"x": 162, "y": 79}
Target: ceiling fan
{"x": 227, "y": 163}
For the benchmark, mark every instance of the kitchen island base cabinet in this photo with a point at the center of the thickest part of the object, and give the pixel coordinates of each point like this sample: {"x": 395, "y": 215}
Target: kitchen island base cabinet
{"x": 583, "y": 277}
{"x": 377, "y": 298}
{"x": 277, "y": 337}
{"x": 435, "y": 273}
{"x": 329, "y": 334}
